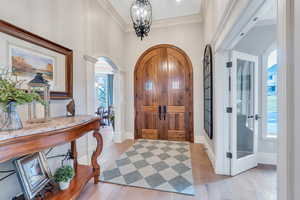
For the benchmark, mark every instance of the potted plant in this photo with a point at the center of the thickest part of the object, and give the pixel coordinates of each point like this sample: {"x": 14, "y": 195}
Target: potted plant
{"x": 12, "y": 95}
{"x": 63, "y": 176}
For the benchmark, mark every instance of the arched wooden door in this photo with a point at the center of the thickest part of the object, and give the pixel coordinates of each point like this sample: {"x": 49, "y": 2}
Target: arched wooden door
{"x": 164, "y": 95}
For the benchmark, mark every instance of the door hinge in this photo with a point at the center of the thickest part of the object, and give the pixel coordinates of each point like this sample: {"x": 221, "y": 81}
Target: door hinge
{"x": 229, "y": 109}
{"x": 229, "y": 64}
{"x": 229, "y": 155}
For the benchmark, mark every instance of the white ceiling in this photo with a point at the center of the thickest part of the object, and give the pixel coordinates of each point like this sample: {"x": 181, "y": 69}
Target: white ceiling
{"x": 257, "y": 40}
{"x": 260, "y": 36}
{"x": 162, "y": 9}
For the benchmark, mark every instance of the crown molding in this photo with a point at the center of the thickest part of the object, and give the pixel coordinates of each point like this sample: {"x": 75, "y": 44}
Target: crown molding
{"x": 190, "y": 19}
{"x": 107, "y": 6}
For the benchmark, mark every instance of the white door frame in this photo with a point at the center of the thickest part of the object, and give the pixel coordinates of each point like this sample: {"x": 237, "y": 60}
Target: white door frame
{"x": 221, "y": 44}
{"x": 247, "y": 162}
{"x": 118, "y": 89}
{"x": 264, "y": 94}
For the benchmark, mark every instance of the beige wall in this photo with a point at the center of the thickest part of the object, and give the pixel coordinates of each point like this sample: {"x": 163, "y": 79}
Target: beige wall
{"x": 81, "y": 25}
{"x": 213, "y": 12}
{"x": 188, "y": 37}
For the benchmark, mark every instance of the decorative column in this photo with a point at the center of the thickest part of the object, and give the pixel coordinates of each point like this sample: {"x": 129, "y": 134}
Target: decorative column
{"x": 119, "y": 133}
{"x": 90, "y": 84}
{"x": 90, "y": 101}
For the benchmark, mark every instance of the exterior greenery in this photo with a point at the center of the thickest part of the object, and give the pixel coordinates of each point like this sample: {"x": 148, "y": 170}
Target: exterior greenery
{"x": 64, "y": 174}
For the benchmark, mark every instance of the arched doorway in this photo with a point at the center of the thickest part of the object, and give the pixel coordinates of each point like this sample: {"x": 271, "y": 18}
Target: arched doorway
{"x": 107, "y": 67}
{"x": 104, "y": 82}
{"x": 163, "y": 84}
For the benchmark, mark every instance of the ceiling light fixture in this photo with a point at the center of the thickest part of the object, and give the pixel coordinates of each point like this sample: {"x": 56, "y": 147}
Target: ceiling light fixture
{"x": 141, "y": 16}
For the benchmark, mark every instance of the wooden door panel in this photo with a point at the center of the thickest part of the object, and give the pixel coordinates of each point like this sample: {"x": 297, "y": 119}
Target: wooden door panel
{"x": 150, "y": 108}
{"x": 148, "y": 123}
{"x": 150, "y": 86}
{"x": 150, "y": 134}
{"x": 163, "y": 79}
{"x": 177, "y": 96}
{"x": 176, "y": 135}
{"x": 176, "y": 82}
{"x": 176, "y": 121}
{"x": 176, "y": 109}
{"x": 147, "y": 104}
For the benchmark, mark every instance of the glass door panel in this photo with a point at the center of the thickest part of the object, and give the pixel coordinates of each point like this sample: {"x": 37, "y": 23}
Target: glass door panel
{"x": 244, "y": 101}
{"x": 245, "y": 107}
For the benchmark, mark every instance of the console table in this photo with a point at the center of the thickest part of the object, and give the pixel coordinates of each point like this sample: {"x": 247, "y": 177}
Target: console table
{"x": 37, "y": 137}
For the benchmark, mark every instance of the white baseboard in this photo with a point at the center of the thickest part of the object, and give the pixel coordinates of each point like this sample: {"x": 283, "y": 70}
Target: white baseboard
{"x": 201, "y": 139}
{"x": 198, "y": 139}
{"x": 119, "y": 137}
{"x": 129, "y": 135}
{"x": 267, "y": 158}
{"x": 209, "y": 151}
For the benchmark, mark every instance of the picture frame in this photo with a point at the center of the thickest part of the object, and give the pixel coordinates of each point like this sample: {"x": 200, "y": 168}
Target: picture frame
{"x": 37, "y": 55}
{"x": 33, "y": 173}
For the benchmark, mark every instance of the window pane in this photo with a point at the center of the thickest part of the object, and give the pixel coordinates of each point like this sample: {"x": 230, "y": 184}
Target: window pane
{"x": 102, "y": 90}
{"x": 272, "y": 112}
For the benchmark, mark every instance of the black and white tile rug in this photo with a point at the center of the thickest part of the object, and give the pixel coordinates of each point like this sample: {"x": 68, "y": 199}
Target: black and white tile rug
{"x": 154, "y": 164}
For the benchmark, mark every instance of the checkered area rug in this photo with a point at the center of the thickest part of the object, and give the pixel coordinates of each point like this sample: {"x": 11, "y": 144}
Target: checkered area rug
{"x": 154, "y": 164}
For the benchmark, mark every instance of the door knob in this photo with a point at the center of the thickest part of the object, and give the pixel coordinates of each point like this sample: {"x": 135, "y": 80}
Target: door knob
{"x": 257, "y": 117}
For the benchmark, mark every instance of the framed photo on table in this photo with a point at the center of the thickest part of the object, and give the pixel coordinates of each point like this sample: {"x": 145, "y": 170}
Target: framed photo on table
{"x": 33, "y": 173}
{"x": 24, "y": 54}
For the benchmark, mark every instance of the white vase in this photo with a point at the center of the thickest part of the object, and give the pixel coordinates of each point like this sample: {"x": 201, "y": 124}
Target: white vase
{"x": 64, "y": 185}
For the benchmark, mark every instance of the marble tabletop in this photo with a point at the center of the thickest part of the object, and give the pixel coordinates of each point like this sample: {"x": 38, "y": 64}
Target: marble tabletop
{"x": 52, "y": 125}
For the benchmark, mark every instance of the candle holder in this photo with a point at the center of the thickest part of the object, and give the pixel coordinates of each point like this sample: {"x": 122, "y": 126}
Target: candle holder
{"x": 42, "y": 87}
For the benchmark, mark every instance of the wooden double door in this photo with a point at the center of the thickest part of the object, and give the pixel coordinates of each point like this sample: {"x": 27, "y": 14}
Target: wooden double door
{"x": 164, "y": 95}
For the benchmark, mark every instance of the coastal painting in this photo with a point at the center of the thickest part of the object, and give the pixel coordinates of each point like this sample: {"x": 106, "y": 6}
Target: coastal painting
{"x": 26, "y": 63}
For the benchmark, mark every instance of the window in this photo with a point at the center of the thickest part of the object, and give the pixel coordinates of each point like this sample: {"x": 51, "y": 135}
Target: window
{"x": 102, "y": 90}
{"x": 270, "y": 93}
{"x": 104, "y": 84}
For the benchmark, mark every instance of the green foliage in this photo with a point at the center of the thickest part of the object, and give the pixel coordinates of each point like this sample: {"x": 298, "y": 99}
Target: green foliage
{"x": 64, "y": 174}
{"x": 10, "y": 92}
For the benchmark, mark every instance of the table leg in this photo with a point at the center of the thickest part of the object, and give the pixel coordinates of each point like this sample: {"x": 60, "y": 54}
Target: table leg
{"x": 74, "y": 154}
{"x": 96, "y": 154}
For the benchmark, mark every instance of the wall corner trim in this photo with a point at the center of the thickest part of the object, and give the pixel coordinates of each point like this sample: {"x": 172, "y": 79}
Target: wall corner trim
{"x": 90, "y": 59}
{"x": 224, "y": 20}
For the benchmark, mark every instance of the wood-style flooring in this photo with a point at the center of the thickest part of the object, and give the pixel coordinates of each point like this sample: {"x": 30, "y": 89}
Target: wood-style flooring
{"x": 255, "y": 184}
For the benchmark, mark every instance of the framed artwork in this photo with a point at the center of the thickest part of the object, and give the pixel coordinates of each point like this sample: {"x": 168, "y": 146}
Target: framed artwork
{"x": 24, "y": 54}
{"x": 25, "y": 63}
{"x": 208, "y": 91}
{"x": 34, "y": 173}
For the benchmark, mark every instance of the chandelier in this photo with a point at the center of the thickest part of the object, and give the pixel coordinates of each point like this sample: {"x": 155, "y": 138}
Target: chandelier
{"x": 141, "y": 15}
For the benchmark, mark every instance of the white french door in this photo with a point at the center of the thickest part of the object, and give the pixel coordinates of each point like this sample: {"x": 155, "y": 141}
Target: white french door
{"x": 244, "y": 117}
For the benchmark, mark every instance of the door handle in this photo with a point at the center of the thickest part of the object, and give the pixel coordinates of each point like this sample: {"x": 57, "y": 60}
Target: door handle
{"x": 257, "y": 117}
{"x": 165, "y": 112}
{"x": 250, "y": 117}
{"x": 159, "y": 112}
